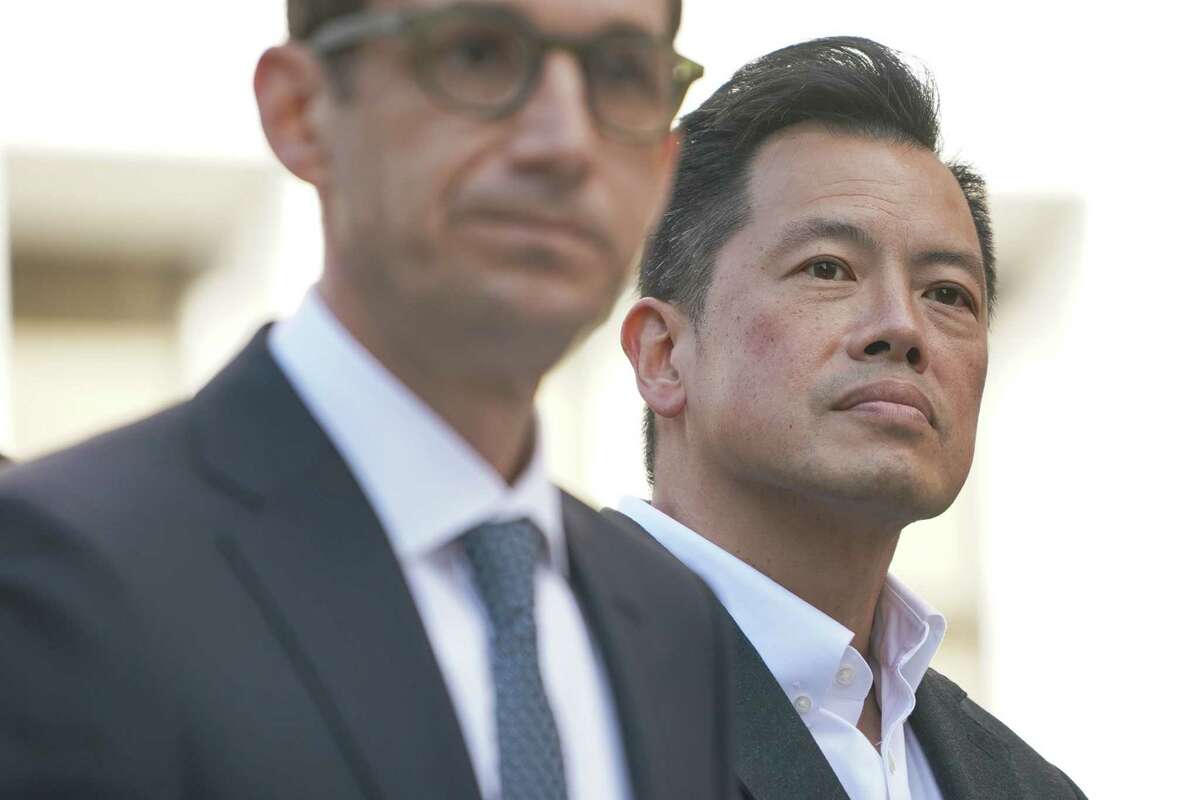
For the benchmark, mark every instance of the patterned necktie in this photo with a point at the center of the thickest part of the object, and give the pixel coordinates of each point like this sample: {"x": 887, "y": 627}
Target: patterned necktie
{"x": 503, "y": 559}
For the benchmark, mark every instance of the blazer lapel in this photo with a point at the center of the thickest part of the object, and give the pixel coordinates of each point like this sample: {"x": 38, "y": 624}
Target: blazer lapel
{"x": 968, "y": 761}
{"x": 626, "y": 637}
{"x": 776, "y": 755}
{"x": 656, "y": 700}
{"x": 316, "y": 560}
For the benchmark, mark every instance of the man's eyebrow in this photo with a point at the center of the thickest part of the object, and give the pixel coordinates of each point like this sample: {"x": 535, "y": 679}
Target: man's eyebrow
{"x": 627, "y": 29}
{"x": 620, "y": 27}
{"x": 963, "y": 259}
{"x": 803, "y": 232}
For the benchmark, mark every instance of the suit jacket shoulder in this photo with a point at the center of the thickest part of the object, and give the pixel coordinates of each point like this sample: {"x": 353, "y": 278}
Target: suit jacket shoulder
{"x": 79, "y": 652}
{"x": 204, "y": 604}
{"x": 139, "y": 662}
{"x": 975, "y": 755}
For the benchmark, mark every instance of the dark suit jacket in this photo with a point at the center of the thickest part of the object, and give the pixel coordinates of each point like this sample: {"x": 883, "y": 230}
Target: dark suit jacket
{"x": 204, "y": 605}
{"x": 973, "y": 755}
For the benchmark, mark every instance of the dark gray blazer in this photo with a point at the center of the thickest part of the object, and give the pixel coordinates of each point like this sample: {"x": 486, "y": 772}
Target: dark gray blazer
{"x": 973, "y": 755}
{"x": 203, "y": 605}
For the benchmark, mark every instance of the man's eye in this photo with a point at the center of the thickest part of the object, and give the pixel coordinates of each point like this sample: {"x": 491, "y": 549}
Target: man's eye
{"x": 620, "y": 68}
{"x": 479, "y": 51}
{"x": 625, "y": 64}
{"x": 950, "y": 296}
{"x": 631, "y": 72}
{"x": 828, "y": 271}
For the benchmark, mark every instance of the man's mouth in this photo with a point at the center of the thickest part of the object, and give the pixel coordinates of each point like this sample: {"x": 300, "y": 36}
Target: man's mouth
{"x": 891, "y": 400}
{"x": 521, "y": 228}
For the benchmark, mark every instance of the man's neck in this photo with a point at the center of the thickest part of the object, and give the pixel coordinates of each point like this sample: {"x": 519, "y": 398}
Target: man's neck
{"x": 497, "y": 421}
{"x": 492, "y": 412}
{"x": 830, "y": 557}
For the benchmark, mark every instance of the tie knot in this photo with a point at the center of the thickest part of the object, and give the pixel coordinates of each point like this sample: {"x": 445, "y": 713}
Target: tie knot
{"x": 503, "y": 559}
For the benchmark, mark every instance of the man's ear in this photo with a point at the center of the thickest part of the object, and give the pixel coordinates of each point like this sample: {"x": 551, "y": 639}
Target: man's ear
{"x": 290, "y": 86}
{"x": 649, "y": 336}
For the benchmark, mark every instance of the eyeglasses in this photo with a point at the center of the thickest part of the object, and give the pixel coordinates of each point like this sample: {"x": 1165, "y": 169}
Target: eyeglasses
{"x": 487, "y": 61}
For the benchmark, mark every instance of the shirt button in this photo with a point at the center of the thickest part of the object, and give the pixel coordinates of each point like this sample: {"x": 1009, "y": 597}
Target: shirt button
{"x": 891, "y": 763}
{"x": 803, "y": 704}
{"x": 845, "y": 676}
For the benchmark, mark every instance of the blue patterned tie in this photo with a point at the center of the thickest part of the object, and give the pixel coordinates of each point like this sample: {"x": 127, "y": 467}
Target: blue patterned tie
{"x": 503, "y": 559}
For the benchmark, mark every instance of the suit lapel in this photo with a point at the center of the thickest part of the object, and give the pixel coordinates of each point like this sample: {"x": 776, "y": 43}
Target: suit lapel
{"x": 620, "y": 626}
{"x": 968, "y": 761}
{"x": 776, "y": 755}
{"x": 316, "y": 560}
{"x": 634, "y": 641}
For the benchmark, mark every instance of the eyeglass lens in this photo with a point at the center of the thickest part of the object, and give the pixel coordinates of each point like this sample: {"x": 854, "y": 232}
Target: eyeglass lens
{"x": 481, "y": 62}
{"x": 485, "y": 62}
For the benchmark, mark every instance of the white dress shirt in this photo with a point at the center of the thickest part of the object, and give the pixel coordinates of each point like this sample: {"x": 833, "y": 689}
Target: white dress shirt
{"x": 428, "y": 486}
{"x": 810, "y": 655}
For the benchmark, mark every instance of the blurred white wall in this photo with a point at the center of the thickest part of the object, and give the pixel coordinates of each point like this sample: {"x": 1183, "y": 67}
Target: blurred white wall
{"x": 1066, "y": 567}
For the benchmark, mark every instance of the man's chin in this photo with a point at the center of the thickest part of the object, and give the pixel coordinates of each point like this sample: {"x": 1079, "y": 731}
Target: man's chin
{"x": 555, "y": 304}
{"x": 503, "y": 329}
{"x": 901, "y": 493}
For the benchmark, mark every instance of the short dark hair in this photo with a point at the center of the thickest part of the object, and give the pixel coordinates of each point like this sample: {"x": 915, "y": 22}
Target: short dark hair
{"x": 846, "y": 83}
{"x": 305, "y": 16}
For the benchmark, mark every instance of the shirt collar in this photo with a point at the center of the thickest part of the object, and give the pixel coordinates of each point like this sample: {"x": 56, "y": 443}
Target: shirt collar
{"x": 802, "y": 646}
{"x": 426, "y": 484}
{"x": 907, "y": 632}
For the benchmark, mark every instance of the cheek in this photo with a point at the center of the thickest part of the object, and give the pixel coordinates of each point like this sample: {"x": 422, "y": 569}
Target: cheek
{"x": 634, "y": 197}
{"x": 454, "y": 155}
{"x": 369, "y": 178}
{"x": 964, "y": 384}
{"x": 767, "y": 363}
{"x": 762, "y": 335}
{"x": 786, "y": 343}
{"x": 974, "y": 376}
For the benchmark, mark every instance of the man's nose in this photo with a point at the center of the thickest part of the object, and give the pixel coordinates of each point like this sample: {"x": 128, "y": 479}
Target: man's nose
{"x": 555, "y": 133}
{"x": 892, "y": 328}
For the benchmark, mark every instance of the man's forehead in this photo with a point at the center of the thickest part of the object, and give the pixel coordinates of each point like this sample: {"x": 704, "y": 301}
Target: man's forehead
{"x": 813, "y": 169}
{"x": 568, "y": 17}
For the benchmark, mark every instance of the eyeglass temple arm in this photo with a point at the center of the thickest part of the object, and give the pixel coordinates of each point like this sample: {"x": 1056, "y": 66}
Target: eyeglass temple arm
{"x": 354, "y": 28}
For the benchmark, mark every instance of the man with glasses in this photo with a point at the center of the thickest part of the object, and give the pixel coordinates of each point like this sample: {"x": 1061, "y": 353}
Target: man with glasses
{"x": 340, "y": 570}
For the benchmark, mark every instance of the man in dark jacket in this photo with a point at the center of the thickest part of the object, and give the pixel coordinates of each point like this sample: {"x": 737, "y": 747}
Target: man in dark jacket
{"x": 340, "y": 570}
{"x": 812, "y": 346}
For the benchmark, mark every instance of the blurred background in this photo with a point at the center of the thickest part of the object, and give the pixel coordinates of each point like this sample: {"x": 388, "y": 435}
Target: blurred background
{"x": 145, "y": 233}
